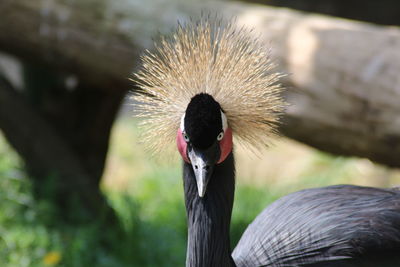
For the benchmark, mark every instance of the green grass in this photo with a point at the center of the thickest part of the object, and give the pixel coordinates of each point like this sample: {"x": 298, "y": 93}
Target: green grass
{"x": 148, "y": 197}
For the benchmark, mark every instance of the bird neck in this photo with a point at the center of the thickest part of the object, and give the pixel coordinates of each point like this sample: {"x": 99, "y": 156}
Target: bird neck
{"x": 209, "y": 217}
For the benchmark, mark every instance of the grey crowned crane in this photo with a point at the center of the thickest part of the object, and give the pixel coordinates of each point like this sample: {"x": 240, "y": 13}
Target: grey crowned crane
{"x": 210, "y": 81}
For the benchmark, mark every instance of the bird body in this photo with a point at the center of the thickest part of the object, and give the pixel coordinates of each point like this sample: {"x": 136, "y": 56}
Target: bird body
{"x": 209, "y": 82}
{"x": 339, "y": 225}
{"x": 332, "y": 226}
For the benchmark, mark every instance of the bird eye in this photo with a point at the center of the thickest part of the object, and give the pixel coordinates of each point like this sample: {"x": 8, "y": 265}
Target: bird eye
{"x": 220, "y": 136}
{"x": 185, "y": 137}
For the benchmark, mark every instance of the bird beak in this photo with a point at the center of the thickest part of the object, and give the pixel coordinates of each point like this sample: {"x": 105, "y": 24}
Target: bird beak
{"x": 203, "y": 162}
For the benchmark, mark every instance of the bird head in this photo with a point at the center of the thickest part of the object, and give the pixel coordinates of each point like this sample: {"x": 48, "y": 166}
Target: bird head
{"x": 204, "y": 138}
{"x": 205, "y": 82}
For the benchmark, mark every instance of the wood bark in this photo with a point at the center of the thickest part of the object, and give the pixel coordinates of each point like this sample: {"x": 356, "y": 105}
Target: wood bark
{"x": 343, "y": 82}
{"x": 386, "y": 12}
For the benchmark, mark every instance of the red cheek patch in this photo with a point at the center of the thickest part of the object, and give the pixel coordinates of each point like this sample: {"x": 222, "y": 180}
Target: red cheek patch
{"x": 225, "y": 145}
{"x": 182, "y": 145}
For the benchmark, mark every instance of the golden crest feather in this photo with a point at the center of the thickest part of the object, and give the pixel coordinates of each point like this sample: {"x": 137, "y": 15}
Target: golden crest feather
{"x": 215, "y": 58}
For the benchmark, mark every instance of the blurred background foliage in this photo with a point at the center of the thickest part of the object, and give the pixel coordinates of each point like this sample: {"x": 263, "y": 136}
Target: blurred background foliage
{"x": 146, "y": 194}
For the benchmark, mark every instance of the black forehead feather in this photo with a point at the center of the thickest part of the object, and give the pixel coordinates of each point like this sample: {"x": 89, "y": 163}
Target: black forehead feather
{"x": 203, "y": 120}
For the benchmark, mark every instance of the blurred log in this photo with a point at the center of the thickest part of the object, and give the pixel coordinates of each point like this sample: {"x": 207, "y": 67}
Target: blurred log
{"x": 344, "y": 86}
{"x": 343, "y": 82}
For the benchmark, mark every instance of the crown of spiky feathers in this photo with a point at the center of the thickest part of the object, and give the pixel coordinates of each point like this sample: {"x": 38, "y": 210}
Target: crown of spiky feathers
{"x": 216, "y": 58}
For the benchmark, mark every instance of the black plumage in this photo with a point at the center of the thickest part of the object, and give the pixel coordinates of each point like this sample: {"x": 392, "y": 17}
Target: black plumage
{"x": 209, "y": 217}
{"x": 203, "y": 120}
{"x": 341, "y": 225}
{"x": 333, "y": 226}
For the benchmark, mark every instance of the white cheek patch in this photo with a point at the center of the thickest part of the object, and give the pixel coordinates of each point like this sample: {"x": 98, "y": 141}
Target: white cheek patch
{"x": 224, "y": 121}
{"x": 182, "y": 126}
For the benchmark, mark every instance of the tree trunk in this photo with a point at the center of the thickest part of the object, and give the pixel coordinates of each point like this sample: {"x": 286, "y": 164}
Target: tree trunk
{"x": 381, "y": 12}
{"x": 343, "y": 85}
{"x": 63, "y": 138}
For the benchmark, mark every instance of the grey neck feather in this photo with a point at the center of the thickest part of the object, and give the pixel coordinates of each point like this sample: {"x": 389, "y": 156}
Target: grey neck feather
{"x": 209, "y": 217}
